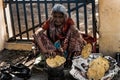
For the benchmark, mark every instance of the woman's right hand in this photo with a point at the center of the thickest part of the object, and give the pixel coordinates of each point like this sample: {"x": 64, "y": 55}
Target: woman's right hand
{"x": 50, "y": 53}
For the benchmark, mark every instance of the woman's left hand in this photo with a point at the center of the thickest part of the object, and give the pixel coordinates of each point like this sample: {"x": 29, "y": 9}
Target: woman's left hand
{"x": 77, "y": 53}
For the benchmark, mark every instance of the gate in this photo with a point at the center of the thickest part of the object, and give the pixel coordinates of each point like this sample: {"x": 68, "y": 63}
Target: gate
{"x": 26, "y": 16}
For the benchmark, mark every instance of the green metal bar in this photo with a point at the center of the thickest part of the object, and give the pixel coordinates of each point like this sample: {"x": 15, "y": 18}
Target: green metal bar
{"x": 50, "y": 1}
{"x": 69, "y": 8}
{"x": 39, "y": 12}
{"x": 12, "y": 21}
{"x": 85, "y": 16}
{"x": 19, "y": 23}
{"x": 32, "y": 15}
{"x": 53, "y": 3}
{"x": 46, "y": 10}
{"x": 25, "y": 17}
{"x": 28, "y": 30}
{"x": 77, "y": 15}
{"x": 79, "y": 4}
{"x": 94, "y": 19}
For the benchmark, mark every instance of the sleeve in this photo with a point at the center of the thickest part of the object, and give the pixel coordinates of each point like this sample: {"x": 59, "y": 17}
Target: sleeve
{"x": 68, "y": 24}
{"x": 45, "y": 25}
{"x": 70, "y": 21}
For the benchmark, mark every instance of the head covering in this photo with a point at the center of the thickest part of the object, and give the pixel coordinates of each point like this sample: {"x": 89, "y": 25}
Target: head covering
{"x": 59, "y": 8}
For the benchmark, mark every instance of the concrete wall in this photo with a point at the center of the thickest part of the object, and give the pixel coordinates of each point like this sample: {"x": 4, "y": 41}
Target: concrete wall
{"x": 3, "y": 34}
{"x": 109, "y": 26}
{"x": 8, "y": 21}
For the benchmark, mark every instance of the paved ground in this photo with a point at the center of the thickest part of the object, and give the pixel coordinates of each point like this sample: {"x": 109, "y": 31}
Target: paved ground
{"x": 12, "y": 57}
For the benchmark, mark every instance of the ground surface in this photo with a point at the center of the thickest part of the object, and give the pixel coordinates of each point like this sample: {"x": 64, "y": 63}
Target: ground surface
{"x": 12, "y": 57}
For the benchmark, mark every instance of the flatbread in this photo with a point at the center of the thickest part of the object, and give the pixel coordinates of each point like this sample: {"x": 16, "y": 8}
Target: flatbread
{"x": 97, "y": 68}
{"x": 87, "y": 49}
{"x": 55, "y": 61}
{"x": 51, "y": 62}
{"x": 100, "y": 61}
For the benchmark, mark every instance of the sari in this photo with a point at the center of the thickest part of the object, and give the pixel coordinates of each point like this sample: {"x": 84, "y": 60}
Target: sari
{"x": 54, "y": 38}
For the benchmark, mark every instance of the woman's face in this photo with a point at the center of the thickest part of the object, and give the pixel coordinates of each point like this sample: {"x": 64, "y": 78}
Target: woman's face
{"x": 59, "y": 18}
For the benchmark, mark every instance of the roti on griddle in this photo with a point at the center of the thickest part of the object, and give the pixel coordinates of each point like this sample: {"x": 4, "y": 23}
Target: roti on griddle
{"x": 55, "y": 61}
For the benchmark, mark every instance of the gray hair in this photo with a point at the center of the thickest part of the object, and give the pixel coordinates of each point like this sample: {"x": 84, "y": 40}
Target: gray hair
{"x": 59, "y": 8}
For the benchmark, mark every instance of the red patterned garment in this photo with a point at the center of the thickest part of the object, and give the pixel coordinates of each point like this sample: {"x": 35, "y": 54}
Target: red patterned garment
{"x": 68, "y": 35}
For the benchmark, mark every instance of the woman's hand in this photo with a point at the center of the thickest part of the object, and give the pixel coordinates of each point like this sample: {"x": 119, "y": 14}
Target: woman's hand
{"x": 77, "y": 53}
{"x": 60, "y": 52}
{"x": 50, "y": 53}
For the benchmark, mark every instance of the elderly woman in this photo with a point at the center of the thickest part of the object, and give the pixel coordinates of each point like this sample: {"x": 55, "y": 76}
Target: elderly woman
{"x": 58, "y": 35}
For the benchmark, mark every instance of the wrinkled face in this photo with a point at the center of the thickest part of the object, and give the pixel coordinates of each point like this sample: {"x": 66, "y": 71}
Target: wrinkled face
{"x": 59, "y": 18}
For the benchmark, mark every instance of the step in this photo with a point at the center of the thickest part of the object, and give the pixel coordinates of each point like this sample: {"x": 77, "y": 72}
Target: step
{"x": 18, "y": 45}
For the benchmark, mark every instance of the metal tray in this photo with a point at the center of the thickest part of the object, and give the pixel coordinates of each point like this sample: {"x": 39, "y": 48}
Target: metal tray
{"x": 80, "y": 67}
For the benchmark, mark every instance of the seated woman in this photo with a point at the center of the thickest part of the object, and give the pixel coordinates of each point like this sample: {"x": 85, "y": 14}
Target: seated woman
{"x": 58, "y": 35}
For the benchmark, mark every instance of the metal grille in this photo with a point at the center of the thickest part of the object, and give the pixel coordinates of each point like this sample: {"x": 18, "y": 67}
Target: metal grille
{"x": 28, "y": 15}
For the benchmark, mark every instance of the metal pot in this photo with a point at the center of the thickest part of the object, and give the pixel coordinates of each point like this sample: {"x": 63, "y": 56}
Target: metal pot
{"x": 55, "y": 72}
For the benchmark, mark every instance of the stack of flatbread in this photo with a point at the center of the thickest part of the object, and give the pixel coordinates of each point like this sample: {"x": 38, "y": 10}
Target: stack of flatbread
{"x": 97, "y": 68}
{"x": 87, "y": 49}
{"x": 55, "y": 61}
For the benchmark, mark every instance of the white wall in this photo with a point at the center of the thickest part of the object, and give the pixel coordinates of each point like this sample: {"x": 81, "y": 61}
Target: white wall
{"x": 109, "y": 26}
{"x": 3, "y": 34}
